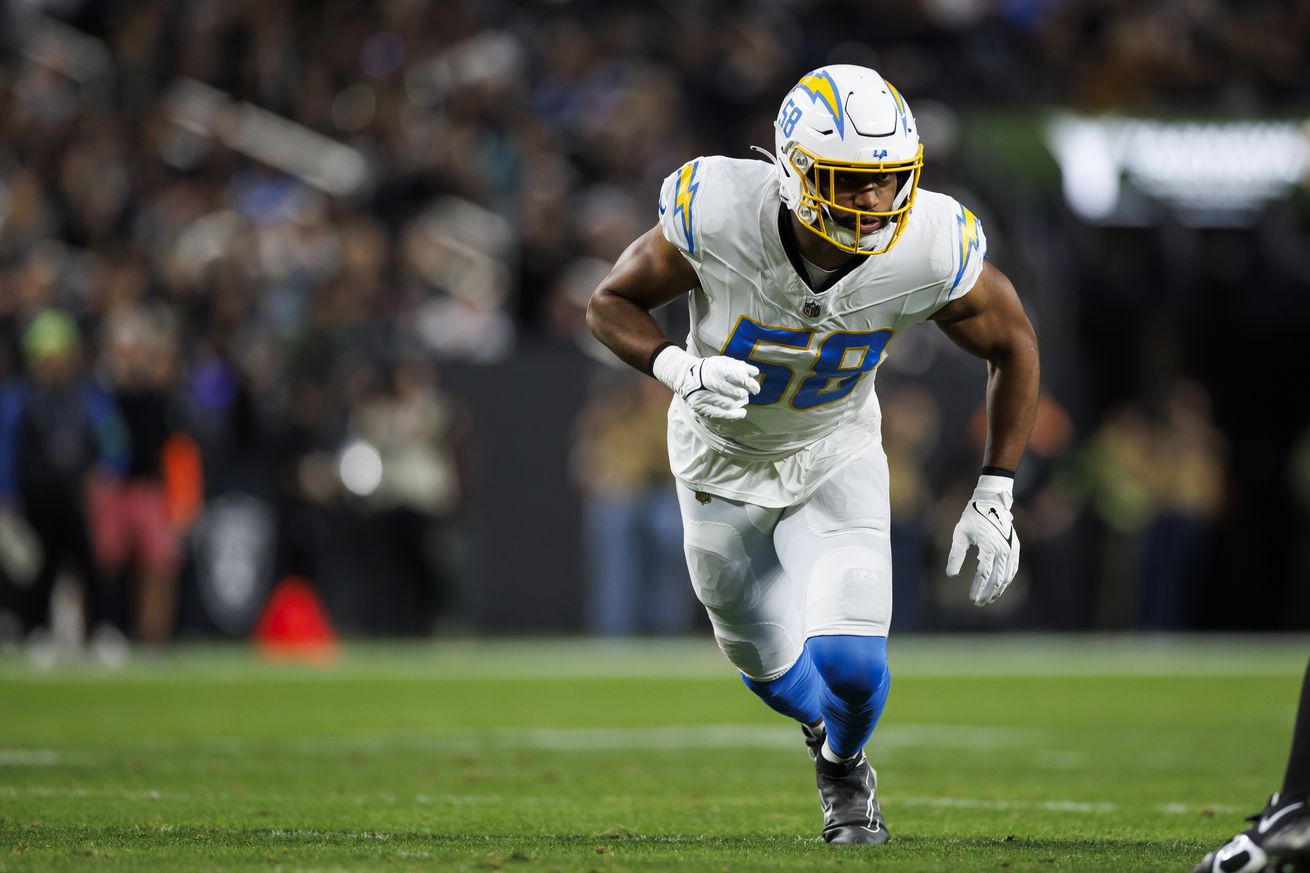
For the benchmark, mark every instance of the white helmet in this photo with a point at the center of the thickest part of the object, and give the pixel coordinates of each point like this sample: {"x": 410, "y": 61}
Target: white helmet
{"x": 846, "y": 119}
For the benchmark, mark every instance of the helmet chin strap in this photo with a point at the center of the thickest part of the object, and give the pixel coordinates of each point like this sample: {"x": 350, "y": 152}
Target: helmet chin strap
{"x": 843, "y": 233}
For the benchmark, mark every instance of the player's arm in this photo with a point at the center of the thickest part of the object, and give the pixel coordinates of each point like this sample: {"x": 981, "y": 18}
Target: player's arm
{"x": 989, "y": 322}
{"x": 649, "y": 274}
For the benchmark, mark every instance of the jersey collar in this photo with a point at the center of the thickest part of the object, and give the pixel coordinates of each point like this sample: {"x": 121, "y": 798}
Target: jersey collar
{"x": 793, "y": 250}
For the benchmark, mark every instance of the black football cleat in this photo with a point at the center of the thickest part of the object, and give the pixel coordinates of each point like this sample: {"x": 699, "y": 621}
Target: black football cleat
{"x": 848, "y": 793}
{"x": 1278, "y": 841}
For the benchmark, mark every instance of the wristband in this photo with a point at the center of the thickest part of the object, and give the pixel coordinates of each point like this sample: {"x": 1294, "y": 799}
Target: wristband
{"x": 650, "y": 362}
{"x": 996, "y": 471}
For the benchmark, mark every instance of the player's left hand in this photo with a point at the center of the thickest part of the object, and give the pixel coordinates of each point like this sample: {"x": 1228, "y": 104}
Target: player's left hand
{"x": 987, "y": 524}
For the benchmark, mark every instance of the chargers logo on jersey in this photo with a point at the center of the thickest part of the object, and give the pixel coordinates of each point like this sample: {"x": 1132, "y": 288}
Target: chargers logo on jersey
{"x": 969, "y": 243}
{"x": 684, "y": 199}
{"x": 822, "y": 89}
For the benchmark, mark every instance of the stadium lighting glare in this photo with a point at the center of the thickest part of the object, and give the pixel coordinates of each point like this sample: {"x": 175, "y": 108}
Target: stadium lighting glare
{"x": 330, "y": 166}
{"x": 1211, "y": 174}
{"x": 360, "y": 468}
{"x": 54, "y": 45}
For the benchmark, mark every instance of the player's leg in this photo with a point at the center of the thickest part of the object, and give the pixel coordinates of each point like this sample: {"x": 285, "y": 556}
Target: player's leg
{"x": 855, "y": 681}
{"x": 837, "y": 546}
{"x": 795, "y": 694}
{"x": 756, "y": 611}
{"x": 1278, "y": 841}
{"x": 1296, "y": 781}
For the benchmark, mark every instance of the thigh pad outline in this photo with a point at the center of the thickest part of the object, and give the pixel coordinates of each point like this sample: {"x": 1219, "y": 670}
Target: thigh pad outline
{"x": 721, "y": 570}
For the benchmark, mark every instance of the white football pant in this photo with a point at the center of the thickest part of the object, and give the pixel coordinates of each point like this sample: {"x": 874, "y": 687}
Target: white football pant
{"x": 772, "y": 578}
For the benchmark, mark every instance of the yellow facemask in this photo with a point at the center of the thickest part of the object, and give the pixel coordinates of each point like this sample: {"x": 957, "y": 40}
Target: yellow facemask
{"x": 817, "y": 211}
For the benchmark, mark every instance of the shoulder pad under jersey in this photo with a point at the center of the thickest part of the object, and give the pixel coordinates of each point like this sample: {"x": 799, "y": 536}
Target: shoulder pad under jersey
{"x": 958, "y": 245}
{"x": 710, "y": 196}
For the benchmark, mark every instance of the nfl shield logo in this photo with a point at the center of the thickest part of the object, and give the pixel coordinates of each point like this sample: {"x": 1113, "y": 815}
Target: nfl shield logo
{"x": 810, "y": 309}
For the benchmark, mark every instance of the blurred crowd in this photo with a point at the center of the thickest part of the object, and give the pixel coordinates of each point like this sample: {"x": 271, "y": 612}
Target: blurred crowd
{"x": 241, "y": 243}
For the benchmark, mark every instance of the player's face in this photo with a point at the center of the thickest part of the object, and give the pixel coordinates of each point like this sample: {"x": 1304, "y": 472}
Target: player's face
{"x": 867, "y": 192}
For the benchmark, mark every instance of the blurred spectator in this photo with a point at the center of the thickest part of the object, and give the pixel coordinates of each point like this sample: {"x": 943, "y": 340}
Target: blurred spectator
{"x": 419, "y": 487}
{"x": 910, "y": 432}
{"x": 134, "y": 531}
{"x": 60, "y": 432}
{"x": 636, "y": 575}
{"x": 1157, "y": 488}
{"x": 1113, "y": 477}
{"x": 1188, "y": 477}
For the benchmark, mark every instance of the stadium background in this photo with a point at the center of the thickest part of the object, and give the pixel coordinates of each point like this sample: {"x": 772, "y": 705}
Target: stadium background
{"x": 358, "y": 239}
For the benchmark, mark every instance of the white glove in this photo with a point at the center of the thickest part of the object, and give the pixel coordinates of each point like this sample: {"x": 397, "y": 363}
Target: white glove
{"x": 987, "y": 524}
{"x": 716, "y": 387}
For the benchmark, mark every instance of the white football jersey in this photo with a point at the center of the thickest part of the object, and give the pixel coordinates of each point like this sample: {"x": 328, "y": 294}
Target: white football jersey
{"x": 817, "y": 349}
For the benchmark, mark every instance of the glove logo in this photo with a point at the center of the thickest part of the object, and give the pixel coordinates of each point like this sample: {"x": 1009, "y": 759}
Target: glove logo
{"x": 991, "y": 514}
{"x": 696, "y": 371}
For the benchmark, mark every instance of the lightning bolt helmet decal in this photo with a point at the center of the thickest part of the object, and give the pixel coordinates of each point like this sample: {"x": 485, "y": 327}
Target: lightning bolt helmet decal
{"x": 821, "y": 89}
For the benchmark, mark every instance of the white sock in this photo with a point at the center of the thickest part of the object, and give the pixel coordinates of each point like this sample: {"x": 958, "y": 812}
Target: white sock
{"x": 831, "y": 756}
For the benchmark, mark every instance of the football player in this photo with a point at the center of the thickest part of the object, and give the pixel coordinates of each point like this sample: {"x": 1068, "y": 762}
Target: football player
{"x": 801, "y": 272}
{"x": 1278, "y": 840}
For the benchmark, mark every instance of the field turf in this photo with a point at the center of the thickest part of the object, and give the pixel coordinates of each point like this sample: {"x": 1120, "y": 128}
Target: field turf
{"x": 995, "y": 754}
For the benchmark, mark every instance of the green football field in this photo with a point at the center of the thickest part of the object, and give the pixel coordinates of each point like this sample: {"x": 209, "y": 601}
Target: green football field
{"x": 995, "y": 753}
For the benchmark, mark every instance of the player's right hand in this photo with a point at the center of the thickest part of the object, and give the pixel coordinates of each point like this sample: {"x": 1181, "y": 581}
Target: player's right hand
{"x": 717, "y": 387}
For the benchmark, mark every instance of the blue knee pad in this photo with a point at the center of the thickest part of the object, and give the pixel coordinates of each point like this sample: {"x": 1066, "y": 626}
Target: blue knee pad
{"x": 855, "y": 683}
{"x": 794, "y": 693}
{"x": 854, "y": 668}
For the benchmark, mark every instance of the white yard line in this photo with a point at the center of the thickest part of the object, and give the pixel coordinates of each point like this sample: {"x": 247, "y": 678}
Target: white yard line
{"x": 671, "y": 737}
{"x": 28, "y": 758}
{"x": 63, "y": 791}
{"x": 976, "y": 803}
{"x": 587, "y": 739}
{"x": 1079, "y": 807}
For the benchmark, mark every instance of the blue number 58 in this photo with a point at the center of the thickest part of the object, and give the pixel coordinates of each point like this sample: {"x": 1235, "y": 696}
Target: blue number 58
{"x": 842, "y": 360}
